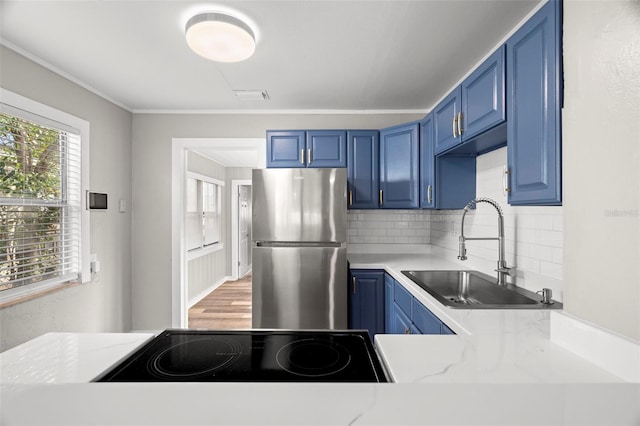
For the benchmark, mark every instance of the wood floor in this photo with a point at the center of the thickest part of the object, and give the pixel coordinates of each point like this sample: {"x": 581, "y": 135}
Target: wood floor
{"x": 227, "y": 307}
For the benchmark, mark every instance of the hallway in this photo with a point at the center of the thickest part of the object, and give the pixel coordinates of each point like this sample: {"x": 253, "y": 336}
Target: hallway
{"x": 227, "y": 307}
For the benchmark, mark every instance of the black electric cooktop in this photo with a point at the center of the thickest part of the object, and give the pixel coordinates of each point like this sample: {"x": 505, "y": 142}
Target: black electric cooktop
{"x": 251, "y": 356}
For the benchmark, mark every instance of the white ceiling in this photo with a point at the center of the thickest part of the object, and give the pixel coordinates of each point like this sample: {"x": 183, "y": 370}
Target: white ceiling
{"x": 379, "y": 55}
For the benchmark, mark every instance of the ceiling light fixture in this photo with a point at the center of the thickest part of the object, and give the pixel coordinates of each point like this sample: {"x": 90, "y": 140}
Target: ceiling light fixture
{"x": 220, "y": 37}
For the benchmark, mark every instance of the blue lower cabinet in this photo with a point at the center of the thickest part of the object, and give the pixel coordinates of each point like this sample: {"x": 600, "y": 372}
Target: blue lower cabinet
{"x": 366, "y": 301}
{"x": 400, "y": 322}
{"x": 409, "y": 316}
{"x": 388, "y": 302}
{"x": 424, "y": 320}
{"x": 445, "y": 330}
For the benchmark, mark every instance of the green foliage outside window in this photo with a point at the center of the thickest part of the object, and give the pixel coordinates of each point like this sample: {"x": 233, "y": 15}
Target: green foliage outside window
{"x": 31, "y": 200}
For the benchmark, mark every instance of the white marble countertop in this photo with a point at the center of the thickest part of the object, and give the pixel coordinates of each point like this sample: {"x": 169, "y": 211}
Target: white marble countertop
{"x": 490, "y": 346}
{"x": 501, "y": 369}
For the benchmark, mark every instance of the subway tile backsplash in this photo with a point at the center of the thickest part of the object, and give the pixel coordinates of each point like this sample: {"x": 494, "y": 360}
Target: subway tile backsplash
{"x": 534, "y": 235}
{"x": 388, "y": 226}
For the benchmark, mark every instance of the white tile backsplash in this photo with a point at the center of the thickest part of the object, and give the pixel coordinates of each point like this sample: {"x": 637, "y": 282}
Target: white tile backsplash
{"x": 534, "y": 235}
{"x": 389, "y": 226}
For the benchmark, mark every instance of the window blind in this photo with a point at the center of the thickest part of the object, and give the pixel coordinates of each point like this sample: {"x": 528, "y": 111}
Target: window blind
{"x": 40, "y": 202}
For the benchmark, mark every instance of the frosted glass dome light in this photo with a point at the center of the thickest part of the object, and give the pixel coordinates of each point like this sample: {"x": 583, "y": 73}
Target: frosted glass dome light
{"x": 220, "y": 37}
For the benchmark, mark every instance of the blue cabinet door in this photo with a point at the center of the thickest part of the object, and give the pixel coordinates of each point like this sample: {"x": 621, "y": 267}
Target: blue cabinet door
{"x": 388, "y": 302}
{"x": 399, "y": 162}
{"x": 286, "y": 149}
{"x": 427, "y": 164}
{"x": 424, "y": 320}
{"x": 534, "y": 90}
{"x": 455, "y": 181}
{"x": 445, "y": 121}
{"x": 400, "y": 322}
{"x": 362, "y": 168}
{"x": 483, "y": 94}
{"x": 366, "y": 301}
{"x": 326, "y": 148}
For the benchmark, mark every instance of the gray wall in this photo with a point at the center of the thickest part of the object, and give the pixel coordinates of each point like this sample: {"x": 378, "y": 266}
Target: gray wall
{"x": 105, "y": 304}
{"x": 601, "y": 166}
{"x": 152, "y": 135}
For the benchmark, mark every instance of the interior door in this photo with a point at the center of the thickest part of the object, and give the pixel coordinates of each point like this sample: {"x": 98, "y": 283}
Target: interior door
{"x": 244, "y": 229}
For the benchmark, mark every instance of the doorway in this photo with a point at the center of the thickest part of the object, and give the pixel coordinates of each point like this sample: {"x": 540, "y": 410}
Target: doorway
{"x": 180, "y": 146}
{"x": 244, "y": 230}
{"x": 241, "y": 228}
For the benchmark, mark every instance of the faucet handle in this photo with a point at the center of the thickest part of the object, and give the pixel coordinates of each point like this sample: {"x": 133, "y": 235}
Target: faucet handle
{"x": 504, "y": 269}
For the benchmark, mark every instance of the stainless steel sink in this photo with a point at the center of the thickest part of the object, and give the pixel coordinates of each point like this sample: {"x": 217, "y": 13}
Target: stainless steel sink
{"x": 475, "y": 290}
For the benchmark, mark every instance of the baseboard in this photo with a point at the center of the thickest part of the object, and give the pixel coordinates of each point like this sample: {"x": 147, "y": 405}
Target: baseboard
{"x": 610, "y": 351}
{"x": 205, "y": 292}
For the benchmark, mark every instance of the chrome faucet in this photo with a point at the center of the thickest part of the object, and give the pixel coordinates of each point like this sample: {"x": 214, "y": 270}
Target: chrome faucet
{"x": 503, "y": 270}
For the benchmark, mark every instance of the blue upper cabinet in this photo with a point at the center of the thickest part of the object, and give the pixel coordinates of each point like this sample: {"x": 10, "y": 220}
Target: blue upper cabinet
{"x": 362, "y": 168}
{"x": 445, "y": 118}
{"x": 534, "y": 88}
{"x": 326, "y": 148}
{"x": 483, "y": 105}
{"x": 427, "y": 164}
{"x": 472, "y": 109}
{"x": 299, "y": 148}
{"x": 286, "y": 148}
{"x": 399, "y": 179}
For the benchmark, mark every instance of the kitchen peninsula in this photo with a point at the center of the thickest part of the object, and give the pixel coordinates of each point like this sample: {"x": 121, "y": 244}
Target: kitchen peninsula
{"x": 499, "y": 368}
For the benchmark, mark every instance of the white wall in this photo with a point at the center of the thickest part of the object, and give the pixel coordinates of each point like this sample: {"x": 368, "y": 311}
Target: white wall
{"x": 105, "y": 304}
{"x": 601, "y": 166}
{"x": 151, "y": 138}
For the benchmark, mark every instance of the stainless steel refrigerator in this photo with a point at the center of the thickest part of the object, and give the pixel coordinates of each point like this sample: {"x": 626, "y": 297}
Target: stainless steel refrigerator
{"x": 299, "y": 253}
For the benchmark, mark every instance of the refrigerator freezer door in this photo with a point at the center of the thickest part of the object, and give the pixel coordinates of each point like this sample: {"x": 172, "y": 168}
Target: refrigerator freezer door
{"x": 300, "y": 287}
{"x": 299, "y": 205}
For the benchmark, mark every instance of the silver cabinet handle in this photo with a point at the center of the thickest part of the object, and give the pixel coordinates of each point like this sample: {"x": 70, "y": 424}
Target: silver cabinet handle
{"x": 505, "y": 180}
{"x": 453, "y": 126}
{"x": 429, "y": 194}
{"x": 460, "y": 117}
{"x": 354, "y": 284}
{"x": 308, "y": 156}
{"x": 302, "y": 156}
{"x": 380, "y": 195}
{"x": 350, "y": 197}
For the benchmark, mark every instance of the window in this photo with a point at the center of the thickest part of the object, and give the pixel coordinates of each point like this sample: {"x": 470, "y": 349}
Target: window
{"x": 43, "y": 223}
{"x": 203, "y": 219}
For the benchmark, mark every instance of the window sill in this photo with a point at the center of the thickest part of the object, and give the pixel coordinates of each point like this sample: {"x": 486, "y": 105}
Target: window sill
{"x": 39, "y": 292}
{"x": 194, "y": 254}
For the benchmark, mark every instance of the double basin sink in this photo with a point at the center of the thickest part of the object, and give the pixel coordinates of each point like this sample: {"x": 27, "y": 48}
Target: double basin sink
{"x": 475, "y": 290}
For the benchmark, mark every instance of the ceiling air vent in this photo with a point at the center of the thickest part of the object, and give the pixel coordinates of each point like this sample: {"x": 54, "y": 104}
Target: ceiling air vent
{"x": 251, "y": 95}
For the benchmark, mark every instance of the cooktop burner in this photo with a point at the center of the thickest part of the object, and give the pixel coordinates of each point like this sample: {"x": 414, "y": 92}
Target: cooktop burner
{"x": 251, "y": 356}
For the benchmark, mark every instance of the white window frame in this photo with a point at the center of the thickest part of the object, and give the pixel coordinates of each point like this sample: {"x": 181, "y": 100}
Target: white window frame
{"x": 10, "y": 101}
{"x": 204, "y": 250}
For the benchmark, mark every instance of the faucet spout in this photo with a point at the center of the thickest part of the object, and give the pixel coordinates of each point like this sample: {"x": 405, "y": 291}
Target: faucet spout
{"x": 502, "y": 269}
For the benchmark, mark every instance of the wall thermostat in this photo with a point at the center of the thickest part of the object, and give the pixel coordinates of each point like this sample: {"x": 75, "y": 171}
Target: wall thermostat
{"x": 96, "y": 201}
